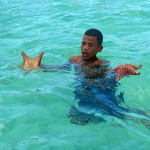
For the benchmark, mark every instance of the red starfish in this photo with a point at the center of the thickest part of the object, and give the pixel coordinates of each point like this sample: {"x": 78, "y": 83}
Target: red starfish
{"x": 125, "y": 70}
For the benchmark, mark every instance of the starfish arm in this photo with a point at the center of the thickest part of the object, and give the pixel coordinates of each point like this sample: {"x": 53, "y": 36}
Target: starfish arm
{"x": 126, "y": 69}
{"x": 24, "y": 56}
{"x": 26, "y": 61}
{"x": 37, "y": 61}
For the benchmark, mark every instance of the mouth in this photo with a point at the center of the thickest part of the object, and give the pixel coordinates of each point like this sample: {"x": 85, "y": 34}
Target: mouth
{"x": 84, "y": 54}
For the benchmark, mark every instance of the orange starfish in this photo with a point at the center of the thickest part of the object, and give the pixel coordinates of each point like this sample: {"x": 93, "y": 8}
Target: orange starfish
{"x": 125, "y": 70}
{"x": 31, "y": 63}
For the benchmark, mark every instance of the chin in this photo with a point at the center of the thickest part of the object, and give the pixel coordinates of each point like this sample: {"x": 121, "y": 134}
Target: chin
{"x": 85, "y": 58}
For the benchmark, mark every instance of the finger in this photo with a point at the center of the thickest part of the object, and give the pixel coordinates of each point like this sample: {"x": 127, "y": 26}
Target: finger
{"x": 132, "y": 71}
{"x": 134, "y": 66}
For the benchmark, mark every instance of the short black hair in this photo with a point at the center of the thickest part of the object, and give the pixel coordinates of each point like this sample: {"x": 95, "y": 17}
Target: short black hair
{"x": 96, "y": 33}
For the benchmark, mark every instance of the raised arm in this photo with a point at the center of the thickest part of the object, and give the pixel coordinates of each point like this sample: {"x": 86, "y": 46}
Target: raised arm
{"x": 63, "y": 67}
{"x": 35, "y": 63}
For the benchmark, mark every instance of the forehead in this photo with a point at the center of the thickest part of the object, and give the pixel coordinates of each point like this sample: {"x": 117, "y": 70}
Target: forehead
{"x": 89, "y": 39}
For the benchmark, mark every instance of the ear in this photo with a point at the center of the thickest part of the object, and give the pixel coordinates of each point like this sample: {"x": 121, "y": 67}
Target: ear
{"x": 100, "y": 48}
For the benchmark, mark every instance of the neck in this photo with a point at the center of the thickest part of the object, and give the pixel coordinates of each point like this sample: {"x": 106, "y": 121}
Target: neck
{"x": 91, "y": 60}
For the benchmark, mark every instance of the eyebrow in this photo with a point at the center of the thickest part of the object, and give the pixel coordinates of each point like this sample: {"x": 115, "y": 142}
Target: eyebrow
{"x": 88, "y": 42}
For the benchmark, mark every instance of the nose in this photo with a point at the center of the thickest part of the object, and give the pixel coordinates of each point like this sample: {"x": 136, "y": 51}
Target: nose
{"x": 85, "y": 47}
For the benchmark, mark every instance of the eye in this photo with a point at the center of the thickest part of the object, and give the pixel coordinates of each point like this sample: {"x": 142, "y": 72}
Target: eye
{"x": 83, "y": 43}
{"x": 91, "y": 44}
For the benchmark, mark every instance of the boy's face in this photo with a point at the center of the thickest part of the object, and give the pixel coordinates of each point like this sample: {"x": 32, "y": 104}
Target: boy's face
{"x": 89, "y": 47}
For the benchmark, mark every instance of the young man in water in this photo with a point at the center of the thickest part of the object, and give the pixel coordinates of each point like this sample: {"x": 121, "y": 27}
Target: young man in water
{"x": 96, "y": 88}
{"x": 94, "y": 92}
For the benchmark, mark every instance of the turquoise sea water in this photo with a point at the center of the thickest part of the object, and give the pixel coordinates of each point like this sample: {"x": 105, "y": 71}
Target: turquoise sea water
{"x": 34, "y": 107}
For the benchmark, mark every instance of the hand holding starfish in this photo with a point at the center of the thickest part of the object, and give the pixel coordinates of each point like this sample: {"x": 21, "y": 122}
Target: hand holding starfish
{"x": 125, "y": 70}
{"x": 31, "y": 63}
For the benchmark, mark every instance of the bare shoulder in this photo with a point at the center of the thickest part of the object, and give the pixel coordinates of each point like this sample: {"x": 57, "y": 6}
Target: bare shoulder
{"x": 76, "y": 59}
{"x": 101, "y": 61}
